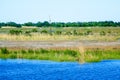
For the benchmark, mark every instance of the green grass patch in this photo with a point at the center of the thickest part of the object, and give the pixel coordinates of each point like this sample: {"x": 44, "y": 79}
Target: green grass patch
{"x": 93, "y": 55}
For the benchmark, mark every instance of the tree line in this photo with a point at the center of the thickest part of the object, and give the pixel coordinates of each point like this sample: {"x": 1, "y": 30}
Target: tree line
{"x": 63, "y": 24}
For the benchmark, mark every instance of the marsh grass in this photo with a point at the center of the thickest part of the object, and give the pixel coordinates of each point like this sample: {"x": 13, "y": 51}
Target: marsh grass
{"x": 98, "y": 55}
{"x": 81, "y": 55}
{"x": 47, "y": 37}
{"x": 41, "y": 54}
{"x": 70, "y": 33}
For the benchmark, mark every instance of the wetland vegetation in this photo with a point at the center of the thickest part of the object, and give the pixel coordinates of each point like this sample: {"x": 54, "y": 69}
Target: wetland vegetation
{"x": 90, "y": 55}
{"x": 87, "y": 31}
{"x": 63, "y": 33}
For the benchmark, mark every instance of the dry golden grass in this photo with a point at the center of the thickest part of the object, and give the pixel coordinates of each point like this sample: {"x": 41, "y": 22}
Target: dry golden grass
{"x": 47, "y": 37}
{"x": 81, "y": 50}
{"x": 29, "y": 27}
{"x": 111, "y": 34}
{"x": 34, "y": 37}
{"x": 7, "y": 27}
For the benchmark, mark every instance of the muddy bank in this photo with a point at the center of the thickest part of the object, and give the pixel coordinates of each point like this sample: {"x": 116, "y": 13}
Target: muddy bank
{"x": 58, "y": 44}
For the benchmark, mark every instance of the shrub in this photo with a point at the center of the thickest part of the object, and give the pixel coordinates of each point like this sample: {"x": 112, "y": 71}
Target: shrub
{"x": 34, "y": 30}
{"x": 75, "y": 32}
{"x": 58, "y": 32}
{"x": 15, "y": 32}
{"x": 80, "y": 33}
{"x": 109, "y": 32}
{"x": 88, "y": 32}
{"x": 13, "y": 56}
{"x": 44, "y": 51}
{"x": 44, "y": 31}
{"x": 23, "y": 51}
{"x": 102, "y": 33}
{"x": 27, "y": 33}
{"x": 4, "y": 51}
{"x": 70, "y": 52}
{"x": 30, "y": 51}
{"x": 37, "y": 51}
{"x": 68, "y": 33}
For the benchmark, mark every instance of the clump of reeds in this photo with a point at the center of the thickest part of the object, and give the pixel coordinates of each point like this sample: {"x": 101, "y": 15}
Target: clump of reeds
{"x": 81, "y": 54}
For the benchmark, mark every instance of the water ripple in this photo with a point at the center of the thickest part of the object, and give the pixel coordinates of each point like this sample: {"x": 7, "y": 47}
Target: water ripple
{"x": 18, "y": 69}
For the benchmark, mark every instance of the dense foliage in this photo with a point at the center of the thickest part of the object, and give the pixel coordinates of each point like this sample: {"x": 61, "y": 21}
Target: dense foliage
{"x": 63, "y": 24}
{"x": 10, "y": 24}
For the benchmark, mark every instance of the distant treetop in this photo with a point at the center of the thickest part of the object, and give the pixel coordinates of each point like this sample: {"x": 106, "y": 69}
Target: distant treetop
{"x": 63, "y": 24}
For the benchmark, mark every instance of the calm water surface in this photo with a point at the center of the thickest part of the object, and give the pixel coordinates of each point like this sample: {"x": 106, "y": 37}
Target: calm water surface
{"x": 18, "y": 69}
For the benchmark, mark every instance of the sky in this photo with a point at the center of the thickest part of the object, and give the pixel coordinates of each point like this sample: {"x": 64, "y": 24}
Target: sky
{"x": 21, "y": 11}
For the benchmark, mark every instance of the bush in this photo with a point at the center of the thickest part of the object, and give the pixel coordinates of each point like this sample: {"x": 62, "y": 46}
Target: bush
{"x": 30, "y": 51}
{"x": 44, "y": 31}
{"x": 4, "y": 51}
{"x": 13, "y": 56}
{"x": 58, "y": 32}
{"x": 44, "y": 51}
{"x": 15, "y": 32}
{"x": 102, "y": 33}
{"x": 68, "y": 33}
{"x": 27, "y": 33}
{"x": 34, "y": 30}
{"x": 70, "y": 52}
{"x": 109, "y": 32}
{"x": 80, "y": 33}
{"x": 23, "y": 51}
{"x": 88, "y": 32}
{"x": 75, "y": 32}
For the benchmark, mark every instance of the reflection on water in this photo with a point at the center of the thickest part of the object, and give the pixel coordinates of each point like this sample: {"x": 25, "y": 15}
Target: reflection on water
{"x": 19, "y": 69}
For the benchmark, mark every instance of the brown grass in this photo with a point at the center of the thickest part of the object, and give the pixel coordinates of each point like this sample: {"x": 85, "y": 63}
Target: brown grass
{"x": 81, "y": 50}
{"x": 47, "y": 37}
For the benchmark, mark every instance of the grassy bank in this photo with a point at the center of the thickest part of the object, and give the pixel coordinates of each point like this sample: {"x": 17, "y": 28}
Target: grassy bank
{"x": 98, "y": 55}
{"x": 92, "y": 55}
{"x": 53, "y": 34}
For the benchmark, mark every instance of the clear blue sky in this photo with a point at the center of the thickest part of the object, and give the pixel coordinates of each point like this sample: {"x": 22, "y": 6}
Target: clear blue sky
{"x": 21, "y": 11}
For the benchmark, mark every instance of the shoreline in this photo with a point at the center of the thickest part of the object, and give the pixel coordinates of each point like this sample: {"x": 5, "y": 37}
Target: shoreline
{"x": 81, "y": 54}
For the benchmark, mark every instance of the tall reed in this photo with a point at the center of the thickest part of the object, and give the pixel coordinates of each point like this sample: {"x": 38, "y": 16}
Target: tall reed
{"x": 81, "y": 54}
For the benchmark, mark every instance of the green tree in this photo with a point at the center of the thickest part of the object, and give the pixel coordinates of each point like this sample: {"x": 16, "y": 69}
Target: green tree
{"x": 12, "y": 24}
{"x": 29, "y": 24}
{"x": 45, "y": 23}
{"x": 39, "y": 24}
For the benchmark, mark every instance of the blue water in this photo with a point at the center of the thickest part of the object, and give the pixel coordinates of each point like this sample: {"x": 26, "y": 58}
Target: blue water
{"x": 18, "y": 69}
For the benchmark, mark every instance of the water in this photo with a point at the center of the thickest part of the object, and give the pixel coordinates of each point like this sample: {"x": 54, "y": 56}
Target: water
{"x": 18, "y": 69}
